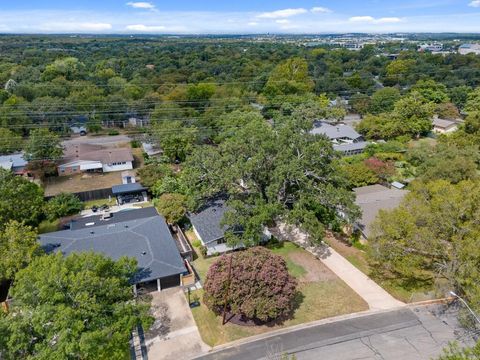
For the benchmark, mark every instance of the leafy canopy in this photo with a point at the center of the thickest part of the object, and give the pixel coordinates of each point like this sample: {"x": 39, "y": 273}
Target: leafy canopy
{"x": 75, "y": 307}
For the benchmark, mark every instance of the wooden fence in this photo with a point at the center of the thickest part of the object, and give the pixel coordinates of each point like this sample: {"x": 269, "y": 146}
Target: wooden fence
{"x": 91, "y": 194}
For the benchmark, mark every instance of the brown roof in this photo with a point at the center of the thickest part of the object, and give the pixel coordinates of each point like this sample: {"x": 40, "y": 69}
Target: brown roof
{"x": 88, "y": 152}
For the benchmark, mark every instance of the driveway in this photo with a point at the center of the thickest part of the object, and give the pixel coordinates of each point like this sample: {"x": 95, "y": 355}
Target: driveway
{"x": 416, "y": 333}
{"x": 376, "y": 297}
{"x": 174, "y": 335}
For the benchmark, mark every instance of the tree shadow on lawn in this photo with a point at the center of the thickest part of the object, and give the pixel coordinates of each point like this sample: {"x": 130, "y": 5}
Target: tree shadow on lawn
{"x": 241, "y": 320}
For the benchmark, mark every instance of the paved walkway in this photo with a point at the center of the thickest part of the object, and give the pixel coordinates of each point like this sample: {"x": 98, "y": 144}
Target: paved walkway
{"x": 369, "y": 290}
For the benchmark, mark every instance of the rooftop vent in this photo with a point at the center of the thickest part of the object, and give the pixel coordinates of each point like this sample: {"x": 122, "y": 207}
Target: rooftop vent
{"x": 92, "y": 232}
{"x": 144, "y": 253}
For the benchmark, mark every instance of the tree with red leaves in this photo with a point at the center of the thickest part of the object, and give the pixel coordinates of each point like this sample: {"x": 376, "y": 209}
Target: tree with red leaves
{"x": 383, "y": 169}
{"x": 260, "y": 287}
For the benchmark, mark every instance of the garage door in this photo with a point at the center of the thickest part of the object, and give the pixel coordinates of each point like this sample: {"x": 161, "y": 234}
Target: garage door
{"x": 170, "y": 281}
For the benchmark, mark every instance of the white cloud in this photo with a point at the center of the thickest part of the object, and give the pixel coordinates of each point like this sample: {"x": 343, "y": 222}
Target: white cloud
{"x": 145, "y": 28}
{"x": 321, "y": 10}
{"x": 475, "y": 3}
{"x": 285, "y": 13}
{"x": 75, "y": 26}
{"x": 282, "y": 21}
{"x": 252, "y": 23}
{"x": 372, "y": 20}
{"x": 141, "y": 5}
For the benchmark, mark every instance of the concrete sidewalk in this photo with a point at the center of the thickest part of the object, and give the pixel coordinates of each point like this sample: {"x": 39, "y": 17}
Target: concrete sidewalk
{"x": 369, "y": 290}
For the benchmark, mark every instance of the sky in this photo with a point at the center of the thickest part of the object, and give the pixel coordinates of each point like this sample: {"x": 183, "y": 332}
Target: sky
{"x": 238, "y": 17}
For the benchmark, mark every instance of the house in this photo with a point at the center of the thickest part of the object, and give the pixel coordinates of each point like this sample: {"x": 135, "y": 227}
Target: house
{"x": 151, "y": 149}
{"x": 94, "y": 158}
{"x": 207, "y": 226}
{"x": 371, "y": 199}
{"x": 443, "y": 126}
{"x": 140, "y": 234}
{"x": 469, "y": 49}
{"x": 338, "y": 134}
{"x": 126, "y": 193}
{"x": 14, "y": 162}
{"x": 343, "y": 137}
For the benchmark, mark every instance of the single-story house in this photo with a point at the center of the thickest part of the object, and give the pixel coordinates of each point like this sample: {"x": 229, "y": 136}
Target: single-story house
{"x": 207, "y": 226}
{"x": 14, "y": 162}
{"x": 349, "y": 149}
{"x": 338, "y": 134}
{"x": 371, "y": 199}
{"x": 141, "y": 234}
{"x": 94, "y": 158}
{"x": 443, "y": 126}
{"x": 132, "y": 192}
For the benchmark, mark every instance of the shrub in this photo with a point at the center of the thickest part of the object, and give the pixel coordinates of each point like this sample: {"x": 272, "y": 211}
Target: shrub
{"x": 63, "y": 204}
{"x": 196, "y": 243}
{"x": 203, "y": 251}
{"x": 260, "y": 288}
{"x": 113, "y": 132}
{"x": 135, "y": 144}
{"x": 172, "y": 207}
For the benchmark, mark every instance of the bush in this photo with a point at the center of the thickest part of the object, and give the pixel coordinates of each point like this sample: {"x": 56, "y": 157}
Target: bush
{"x": 196, "y": 243}
{"x": 113, "y": 132}
{"x": 135, "y": 144}
{"x": 261, "y": 287}
{"x": 203, "y": 251}
{"x": 63, "y": 205}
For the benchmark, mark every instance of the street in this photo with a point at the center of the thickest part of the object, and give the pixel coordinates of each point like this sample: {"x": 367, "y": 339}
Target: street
{"x": 407, "y": 333}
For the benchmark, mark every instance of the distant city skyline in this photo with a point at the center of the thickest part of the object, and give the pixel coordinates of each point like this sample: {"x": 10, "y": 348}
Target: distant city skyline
{"x": 245, "y": 17}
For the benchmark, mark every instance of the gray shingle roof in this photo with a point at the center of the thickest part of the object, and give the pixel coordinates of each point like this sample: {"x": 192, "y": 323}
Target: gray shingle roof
{"x": 351, "y": 147}
{"x": 147, "y": 239}
{"x": 335, "y": 131}
{"x": 207, "y": 221}
{"x": 371, "y": 199}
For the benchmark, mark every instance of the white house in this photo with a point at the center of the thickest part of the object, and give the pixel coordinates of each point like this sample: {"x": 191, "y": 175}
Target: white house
{"x": 94, "y": 158}
{"x": 443, "y": 126}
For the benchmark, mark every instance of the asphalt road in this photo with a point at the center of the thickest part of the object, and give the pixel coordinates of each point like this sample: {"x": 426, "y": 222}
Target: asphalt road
{"x": 419, "y": 333}
{"x": 98, "y": 140}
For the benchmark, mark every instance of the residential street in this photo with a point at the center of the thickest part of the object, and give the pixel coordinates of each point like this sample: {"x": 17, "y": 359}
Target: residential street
{"x": 408, "y": 333}
{"x": 99, "y": 140}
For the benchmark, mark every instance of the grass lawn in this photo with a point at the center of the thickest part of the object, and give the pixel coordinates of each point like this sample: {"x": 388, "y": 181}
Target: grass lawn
{"x": 81, "y": 182}
{"x": 399, "y": 290}
{"x": 323, "y": 295}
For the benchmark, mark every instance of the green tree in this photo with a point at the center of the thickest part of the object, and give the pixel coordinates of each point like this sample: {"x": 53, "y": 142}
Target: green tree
{"x": 473, "y": 101}
{"x": 75, "y": 307}
{"x": 175, "y": 138}
{"x": 432, "y": 91}
{"x": 21, "y": 199}
{"x": 9, "y": 141}
{"x": 455, "y": 352}
{"x": 63, "y": 204}
{"x": 270, "y": 173}
{"x": 172, "y": 207}
{"x": 43, "y": 145}
{"x": 383, "y": 100}
{"x": 289, "y": 77}
{"x": 18, "y": 247}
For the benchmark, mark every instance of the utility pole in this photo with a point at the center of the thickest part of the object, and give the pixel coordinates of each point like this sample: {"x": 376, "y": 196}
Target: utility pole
{"x": 228, "y": 288}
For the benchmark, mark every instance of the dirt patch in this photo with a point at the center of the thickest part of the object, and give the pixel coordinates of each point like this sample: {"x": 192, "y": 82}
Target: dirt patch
{"x": 81, "y": 182}
{"x": 316, "y": 271}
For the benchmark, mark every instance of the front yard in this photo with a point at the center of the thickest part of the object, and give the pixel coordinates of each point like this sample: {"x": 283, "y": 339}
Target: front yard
{"x": 321, "y": 295}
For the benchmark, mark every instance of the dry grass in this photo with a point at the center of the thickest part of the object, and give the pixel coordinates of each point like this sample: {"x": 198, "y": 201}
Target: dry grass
{"x": 324, "y": 297}
{"x": 81, "y": 182}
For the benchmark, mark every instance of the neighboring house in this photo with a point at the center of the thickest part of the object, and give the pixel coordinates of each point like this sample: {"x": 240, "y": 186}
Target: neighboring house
{"x": 14, "y": 162}
{"x": 151, "y": 149}
{"x": 343, "y": 137}
{"x": 469, "y": 49}
{"x": 371, "y": 199}
{"x": 94, "y": 158}
{"x": 138, "y": 122}
{"x": 443, "y": 126}
{"x": 140, "y": 234}
{"x": 207, "y": 226}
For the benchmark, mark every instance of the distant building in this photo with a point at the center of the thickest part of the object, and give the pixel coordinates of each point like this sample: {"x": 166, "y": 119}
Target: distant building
{"x": 14, "y": 162}
{"x": 469, "y": 49}
{"x": 371, "y": 199}
{"x": 344, "y": 138}
{"x": 443, "y": 126}
{"x": 94, "y": 158}
{"x": 435, "y": 47}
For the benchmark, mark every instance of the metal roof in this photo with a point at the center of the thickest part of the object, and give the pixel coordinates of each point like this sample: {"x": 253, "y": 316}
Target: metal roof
{"x": 147, "y": 239}
{"x": 351, "y": 147}
{"x": 127, "y": 188}
{"x": 10, "y": 161}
